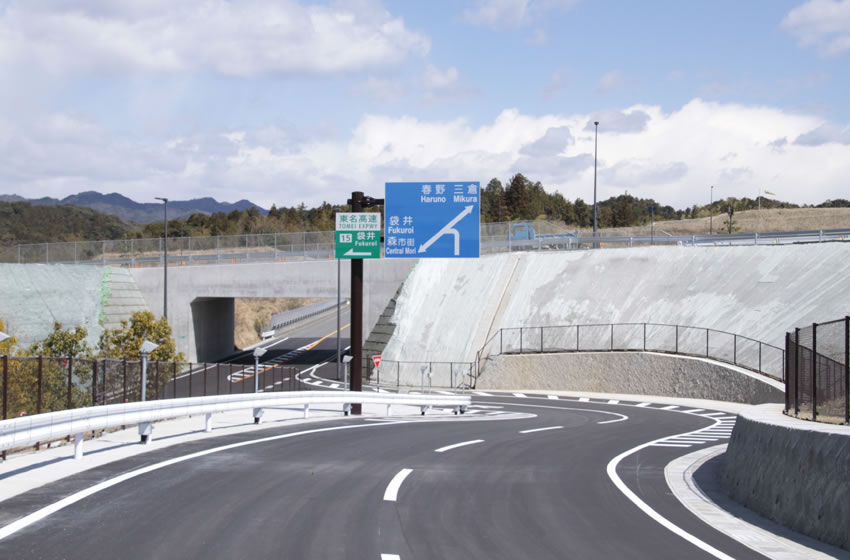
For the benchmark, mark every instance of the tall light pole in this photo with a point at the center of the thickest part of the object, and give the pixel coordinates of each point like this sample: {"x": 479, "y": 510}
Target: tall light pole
{"x": 595, "y": 149}
{"x": 711, "y": 213}
{"x": 165, "y": 260}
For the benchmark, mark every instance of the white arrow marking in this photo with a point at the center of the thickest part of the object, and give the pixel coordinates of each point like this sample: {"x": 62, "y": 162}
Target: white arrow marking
{"x": 353, "y": 253}
{"x": 448, "y": 229}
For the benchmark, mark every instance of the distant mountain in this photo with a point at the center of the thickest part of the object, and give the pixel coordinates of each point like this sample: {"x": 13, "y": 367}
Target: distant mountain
{"x": 141, "y": 213}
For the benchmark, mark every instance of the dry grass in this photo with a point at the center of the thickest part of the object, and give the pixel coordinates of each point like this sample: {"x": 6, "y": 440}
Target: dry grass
{"x": 750, "y": 221}
{"x": 247, "y": 311}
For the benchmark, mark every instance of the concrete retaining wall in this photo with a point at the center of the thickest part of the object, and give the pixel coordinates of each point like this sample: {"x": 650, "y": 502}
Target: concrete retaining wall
{"x": 794, "y": 472}
{"x": 640, "y": 373}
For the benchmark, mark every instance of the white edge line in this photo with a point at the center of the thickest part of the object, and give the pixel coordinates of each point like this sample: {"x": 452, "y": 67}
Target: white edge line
{"x": 46, "y": 511}
{"x": 391, "y": 493}
{"x": 543, "y": 429}
{"x": 456, "y": 445}
{"x": 615, "y": 478}
{"x": 390, "y": 557}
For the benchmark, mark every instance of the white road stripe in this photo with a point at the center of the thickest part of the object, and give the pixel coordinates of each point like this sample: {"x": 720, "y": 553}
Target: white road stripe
{"x": 642, "y": 404}
{"x": 444, "y": 393}
{"x": 583, "y": 399}
{"x": 670, "y": 407}
{"x": 541, "y": 429}
{"x": 334, "y": 385}
{"x": 693, "y": 410}
{"x": 714, "y": 415}
{"x": 390, "y": 557}
{"x": 554, "y": 397}
{"x": 391, "y": 493}
{"x": 671, "y": 445}
{"x": 481, "y": 394}
{"x": 520, "y": 395}
{"x": 456, "y": 445}
{"x": 613, "y": 401}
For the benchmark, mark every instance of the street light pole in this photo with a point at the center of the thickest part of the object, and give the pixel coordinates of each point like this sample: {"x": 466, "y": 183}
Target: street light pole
{"x": 711, "y": 213}
{"x": 595, "y": 149}
{"x": 165, "y": 260}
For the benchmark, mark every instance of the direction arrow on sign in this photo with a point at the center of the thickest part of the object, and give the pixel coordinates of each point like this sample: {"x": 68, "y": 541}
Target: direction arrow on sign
{"x": 448, "y": 228}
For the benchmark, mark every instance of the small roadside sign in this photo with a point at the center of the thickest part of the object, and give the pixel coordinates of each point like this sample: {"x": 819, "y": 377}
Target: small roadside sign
{"x": 377, "y": 360}
{"x": 358, "y": 235}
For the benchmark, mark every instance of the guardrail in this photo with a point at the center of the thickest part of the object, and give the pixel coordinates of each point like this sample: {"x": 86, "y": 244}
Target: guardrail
{"x": 28, "y": 430}
{"x": 735, "y": 349}
{"x": 279, "y": 247}
{"x": 817, "y": 386}
{"x": 286, "y": 318}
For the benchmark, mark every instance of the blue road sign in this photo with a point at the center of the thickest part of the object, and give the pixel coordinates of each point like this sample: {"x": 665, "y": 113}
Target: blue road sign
{"x": 432, "y": 220}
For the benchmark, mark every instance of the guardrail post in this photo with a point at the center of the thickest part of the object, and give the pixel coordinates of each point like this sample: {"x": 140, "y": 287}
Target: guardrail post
{"x": 756, "y": 239}
{"x": 40, "y": 380}
{"x": 814, "y": 372}
{"x": 797, "y": 372}
{"x": 785, "y": 359}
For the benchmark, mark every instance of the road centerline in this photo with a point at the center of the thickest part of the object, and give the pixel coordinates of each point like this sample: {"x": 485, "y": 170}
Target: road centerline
{"x": 391, "y": 493}
{"x": 456, "y": 445}
{"x": 541, "y": 429}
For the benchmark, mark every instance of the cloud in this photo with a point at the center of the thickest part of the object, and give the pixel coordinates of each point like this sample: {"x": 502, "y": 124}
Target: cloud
{"x": 611, "y": 81}
{"x": 618, "y": 121}
{"x": 250, "y": 38}
{"x": 825, "y": 134}
{"x": 824, "y": 24}
{"x": 552, "y": 143}
{"x": 510, "y": 14}
{"x": 436, "y": 79}
{"x": 674, "y": 158}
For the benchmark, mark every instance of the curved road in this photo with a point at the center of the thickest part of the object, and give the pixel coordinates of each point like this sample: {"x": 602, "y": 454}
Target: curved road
{"x": 517, "y": 477}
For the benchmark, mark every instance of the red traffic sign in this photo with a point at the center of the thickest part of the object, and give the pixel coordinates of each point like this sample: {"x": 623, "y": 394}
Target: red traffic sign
{"x": 377, "y": 360}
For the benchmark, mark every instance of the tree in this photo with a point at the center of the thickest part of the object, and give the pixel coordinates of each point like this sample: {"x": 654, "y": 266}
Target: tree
{"x": 63, "y": 342}
{"x": 9, "y": 346}
{"x": 583, "y": 213}
{"x": 126, "y": 342}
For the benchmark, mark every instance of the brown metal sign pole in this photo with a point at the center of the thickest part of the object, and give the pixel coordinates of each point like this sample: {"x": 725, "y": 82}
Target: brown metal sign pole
{"x": 356, "y": 372}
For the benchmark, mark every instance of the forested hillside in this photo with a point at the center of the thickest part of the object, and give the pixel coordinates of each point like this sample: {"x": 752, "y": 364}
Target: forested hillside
{"x": 21, "y": 222}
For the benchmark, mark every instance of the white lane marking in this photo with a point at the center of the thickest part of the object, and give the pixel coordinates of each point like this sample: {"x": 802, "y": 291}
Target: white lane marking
{"x": 554, "y": 397}
{"x": 615, "y": 478}
{"x": 520, "y": 395}
{"x": 391, "y": 493}
{"x": 390, "y": 557}
{"x": 481, "y": 394}
{"x": 642, "y": 404}
{"x": 613, "y": 401}
{"x": 670, "y": 407}
{"x": 456, "y": 445}
{"x": 444, "y": 393}
{"x": 46, "y": 511}
{"x": 334, "y": 385}
{"x": 620, "y": 419}
{"x": 671, "y": 445}
{"x": 583, "y": 399}
{"x": 541, "y": 429}
{"x": 624, "y": 417}
{"x": 713, "y": 415}
{"x": 693, "y": 410}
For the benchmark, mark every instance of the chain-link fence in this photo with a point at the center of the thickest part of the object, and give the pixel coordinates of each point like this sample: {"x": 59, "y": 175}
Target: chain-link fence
{"x": 422, "y": 376}
{"x": 644, "y": 337}
{"x": 818, "y": 382}
{"x": 32, "y": 385}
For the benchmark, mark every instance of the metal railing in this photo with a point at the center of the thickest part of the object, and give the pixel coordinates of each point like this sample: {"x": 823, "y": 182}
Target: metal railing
{"x": 722, "y": 346}
{"x": 279, "y": 247}
{"x": 422, "y": 375}
{"x": 818, "y": 383}
{"x": 35, "y": 385}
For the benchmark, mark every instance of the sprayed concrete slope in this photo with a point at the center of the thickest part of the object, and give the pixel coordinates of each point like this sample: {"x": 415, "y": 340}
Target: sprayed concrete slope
{"x": 448, "y": 308}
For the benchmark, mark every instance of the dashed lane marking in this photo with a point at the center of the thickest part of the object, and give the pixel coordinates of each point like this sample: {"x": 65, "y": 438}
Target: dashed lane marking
{"x": 541, "y": 429}
{"x": 520, "y": 395}
{"x": 391, "y": 493}
{"x": 554, "y": 397}
{"x": 642, "y": 404}
{"x": 456, "y": 445}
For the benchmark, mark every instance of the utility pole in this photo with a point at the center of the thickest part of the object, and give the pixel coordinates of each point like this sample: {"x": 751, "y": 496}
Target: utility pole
{"x": 595, "y": 149}
{"x": 358, "y": 202}
{"x": 165, "y": 260}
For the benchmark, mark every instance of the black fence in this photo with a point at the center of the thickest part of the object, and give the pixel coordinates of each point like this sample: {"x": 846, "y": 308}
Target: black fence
{"x": 818, "y": 366}
{"x": 33, "y": 385}
{"x": 700, "y": 342}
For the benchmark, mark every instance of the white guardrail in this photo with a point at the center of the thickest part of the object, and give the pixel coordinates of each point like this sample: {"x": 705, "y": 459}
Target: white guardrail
{"x": 28, "y": 430}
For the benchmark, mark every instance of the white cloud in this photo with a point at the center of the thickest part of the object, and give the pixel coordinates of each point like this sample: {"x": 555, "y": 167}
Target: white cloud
{"x": 613, "y": 120}
{"x": 824, "y": 24}
{"x": 611, "y": 81}
{"x": 247, "y": 38}
{"x": 674, "y": 158}
{"x": 509, "y": 14}
{"x": 825, "y": 134}
{"x": 436, "y": 79}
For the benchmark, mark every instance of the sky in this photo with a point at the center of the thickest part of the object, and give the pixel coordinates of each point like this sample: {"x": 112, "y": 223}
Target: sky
{"x": 297, "y": 101}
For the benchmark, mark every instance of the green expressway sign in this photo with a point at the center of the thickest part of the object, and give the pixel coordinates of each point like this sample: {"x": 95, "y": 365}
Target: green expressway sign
{"x": 358, "y": 235}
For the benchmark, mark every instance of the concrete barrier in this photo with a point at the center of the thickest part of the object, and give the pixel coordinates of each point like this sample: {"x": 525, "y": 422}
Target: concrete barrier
{"x": 791, "y": 471}
{"x": 641, "y": 373}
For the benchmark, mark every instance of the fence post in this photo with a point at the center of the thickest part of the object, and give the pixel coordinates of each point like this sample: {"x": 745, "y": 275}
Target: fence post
{"x": 578, "y": 338}
{"x": 500, "y": 342}
{"x": 218, "y": 379}
{"x": 796, "y": 372}
{"x": 190, "y": 378}
{"x": 707, "y": 331}
{"x": 174, "y": 378}
{"x": 94, "y": 384}
{"x": 520, "y": 340}
{"x": 677, "y": 339}
{"x": 5, "y": 389}
{"x": 40, "y": 381}
{"x": 814, "y": 372}
{"x": 205, "y": 380}
{"x": 735, "y": 349}
{"x": 612, "y": 337}
{"x": 125, "y": 380}
{"x": 787, "y": 388}
{"x": 847, "y": 370}
{"x": 541, "y": 340}
{"x": 644, "y": 337}
{"x": 760, "y": 357}
{"x": 70, "y": 380}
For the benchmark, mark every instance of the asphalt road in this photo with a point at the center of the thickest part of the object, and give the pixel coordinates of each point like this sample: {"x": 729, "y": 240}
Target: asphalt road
{"x": 516, "y": 477}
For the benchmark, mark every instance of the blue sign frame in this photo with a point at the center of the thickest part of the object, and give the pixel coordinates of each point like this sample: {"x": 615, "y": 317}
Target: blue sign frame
{"x": 440, "y": 219}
